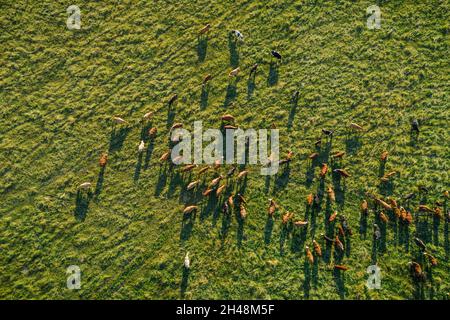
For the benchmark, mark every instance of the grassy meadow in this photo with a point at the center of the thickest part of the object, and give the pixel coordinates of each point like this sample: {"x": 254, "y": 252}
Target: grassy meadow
{"x": 60, "y": 88}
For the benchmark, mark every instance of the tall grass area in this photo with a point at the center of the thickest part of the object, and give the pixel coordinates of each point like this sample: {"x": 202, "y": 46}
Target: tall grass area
{"x": 59, "y": 89}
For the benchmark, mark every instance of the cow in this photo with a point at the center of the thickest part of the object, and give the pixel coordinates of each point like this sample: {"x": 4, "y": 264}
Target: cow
{"x": 272, "y": 207}
{"x": 103, "y": 160}
{"x": 205, "y": 29}
{"x": 276, "y": 54}
{"x": 234, "y": 72}
{"x": 239, "y": 36}
{"x": 309, "y": 255}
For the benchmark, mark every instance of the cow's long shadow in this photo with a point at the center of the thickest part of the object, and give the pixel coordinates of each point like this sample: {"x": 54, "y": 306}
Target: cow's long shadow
{"x": 327, "y": 251}
{"x": 413, "y": 139}
{"x": 231, "y": 93}
{"x": 117, "y": 138}
{"x": 403, "y": 237}
{"x": 171, "y": 113}
{"x": 419, "y": 288}
{"x": 286, "y": 230}
{"x": 268, "y": 230}
{"x": 186, "y": 226}
{"x": 382, "y": 168}
{"x": 217, "y": 210}
{"x": 307, "y": 282}
{"x": 226, "y": 222}
{"x": 435, "y": 234}
{"x": 242, "y": 185}
{"x": 298, "y": 238}
{"x": 315, "y": 271}
{"x": 204, "y": 97}
{"x": 148, "y": 153}
{"x": 340, "y": 282}
{"x": 240, "y": 230}
{"x": 202, "y": 46}
{"x": 446, "y": 231}
{"x": 272, "y": 79}
{"x": 162, "y": 179}
{"x": 292, "y": 113}
{"x": 352, "y": 143}
{"x": 251, "y": 86}
{"x": 374, "y": 254}
{"x": 423, "y": 229}
{"x": 363, "y": 225}
{"x": 137, "y": 168}
{"x": 339, "y": 189}
{"x": 184, "y": 281}
{"x": 207, "y": 209}
{"x": 267, "y": 184}
{"x": 386, "y": 188}
{"x": 176, "y": 180}
{"x": 234, "y": 54}
{"x": 281, "y": 180}
{"x": 309, "y": 175}
{"x": 82, "y": 205}
{"x": 100, "y": 179}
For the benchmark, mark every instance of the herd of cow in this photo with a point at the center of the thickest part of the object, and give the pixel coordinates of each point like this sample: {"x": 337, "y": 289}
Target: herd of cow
{"x": 337, "y": 225}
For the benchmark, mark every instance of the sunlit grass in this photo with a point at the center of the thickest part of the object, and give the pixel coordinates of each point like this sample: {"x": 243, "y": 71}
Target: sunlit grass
{"x": 59, "y": 89}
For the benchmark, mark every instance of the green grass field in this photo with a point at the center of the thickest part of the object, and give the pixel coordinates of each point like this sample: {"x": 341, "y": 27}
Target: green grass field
{"x": 59, "y": 89}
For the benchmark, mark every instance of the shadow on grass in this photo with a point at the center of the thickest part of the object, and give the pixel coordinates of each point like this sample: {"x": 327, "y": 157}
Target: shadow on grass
{"x": 352, "y": 144}
{"x": 307, "y": 282}
{"x": 186, "y": 226}
{"x": 272, "y": 79}
{"x": 176, "y": 180}
{"x": 413, "y": 139}
{"x": 267, "y": 184}
{"x": 231, "y": 93}
{"x": 268, "y": 230}
{"x": 284, "y": 234}
{"x": 117, "y": 138}
{"x": 204, "y": 97}
{"x": 299, "y": 235}
{"x": 240, "y": 231}
{"x": 137, "y": 168}
{"x": 184, "y": 281}
{"x": 82, "y": 205}
{"x": 100, "y": 179}
{"x": 234, "y": 54}
{"x": 148, "y": 154}
{"x": 226, "y": 222}
{"x": 202, "y": 46}
{"x": 292, "y": 113}
{"x": 251, "y": 86}
{"x": 170, "y": 116}
{"x": 340, "y": 283}
{"x": 382, "y": 168}
{"x": 315, "y": 272}
{"x": 446, "y": 239}
{"x": 281, "y": 180}
{"x": 403, "y": 235}
{"x": 209, "y": 207}
{"x": 162, "y": 179}
{"x": 363, "y": 225}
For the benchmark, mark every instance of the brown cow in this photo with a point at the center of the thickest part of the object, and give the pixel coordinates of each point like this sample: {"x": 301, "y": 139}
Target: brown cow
{"x": 272, "y": 207}
{"x": 309, "y": 255}
{"x": 190, "y": 209}
{"x": 103, "y": 160}
{"x": 205, "y": 29}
